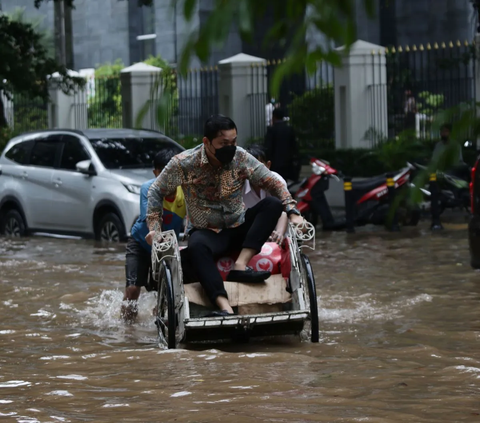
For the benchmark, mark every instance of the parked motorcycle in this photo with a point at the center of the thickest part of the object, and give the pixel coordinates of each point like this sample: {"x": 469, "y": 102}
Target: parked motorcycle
{"x": 370, "y": 196}
{"x": 454, "y": 187}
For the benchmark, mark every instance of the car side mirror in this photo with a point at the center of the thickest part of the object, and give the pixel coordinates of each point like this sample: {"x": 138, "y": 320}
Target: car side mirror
{"x": 86, "y": 167}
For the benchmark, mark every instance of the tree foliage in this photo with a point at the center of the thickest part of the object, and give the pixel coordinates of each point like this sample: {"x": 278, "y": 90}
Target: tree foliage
{"x": 335, "y": 19}
{"x": 26, "y": 64}
{"x": 312, "y": 115}
{"x": 19, "y": 15}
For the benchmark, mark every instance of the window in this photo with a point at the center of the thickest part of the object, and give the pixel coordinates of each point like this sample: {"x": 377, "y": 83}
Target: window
{"x": 125, "y": 153}
{"x": 148, "y": 36}
{"x": 142, "y": 32}
{"x": 43, "y": 153}
{"x": 73, "y": 152}
{"x": 19, "y": 153}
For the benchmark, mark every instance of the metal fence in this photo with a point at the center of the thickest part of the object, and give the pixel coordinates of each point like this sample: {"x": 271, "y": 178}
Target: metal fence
{"x": 25, "y": 113}
{"x": 104, "y": 103}
{"x": 192, "y": 100}
{"x": 307, "y": 100}
{"x": 420, "y": 82}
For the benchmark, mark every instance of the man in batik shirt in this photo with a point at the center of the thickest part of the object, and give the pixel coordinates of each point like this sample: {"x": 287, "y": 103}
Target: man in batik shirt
{"x": 212, "y": 176}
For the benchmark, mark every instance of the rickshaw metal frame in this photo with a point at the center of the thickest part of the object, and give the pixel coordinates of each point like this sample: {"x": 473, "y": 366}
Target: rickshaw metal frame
{"x": 167, "y": 270}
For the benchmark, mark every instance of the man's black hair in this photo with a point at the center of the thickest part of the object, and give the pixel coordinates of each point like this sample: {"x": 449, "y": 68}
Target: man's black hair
{"x": 162, "y": 158}
{"x": 216, "y": 124}
{"x": 447, "y": 126}
{"x": 278, "y": 113}
{"x": 258, "y": 152}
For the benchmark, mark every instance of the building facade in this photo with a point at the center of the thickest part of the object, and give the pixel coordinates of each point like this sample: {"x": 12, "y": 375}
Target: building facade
{"x": 107, "y": 30}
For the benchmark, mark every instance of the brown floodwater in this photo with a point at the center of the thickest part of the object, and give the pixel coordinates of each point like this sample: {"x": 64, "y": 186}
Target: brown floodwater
{"x": 399, "y": 341}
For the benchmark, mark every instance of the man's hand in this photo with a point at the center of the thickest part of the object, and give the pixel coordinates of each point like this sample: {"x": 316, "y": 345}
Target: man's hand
{"x": 149, "y": 237}
{"x": 296, "y": 219}
{"x": 276, "y": 237}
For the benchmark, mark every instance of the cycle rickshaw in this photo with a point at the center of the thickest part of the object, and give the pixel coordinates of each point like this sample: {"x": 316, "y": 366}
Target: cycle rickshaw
{"x": 286, "y": 304}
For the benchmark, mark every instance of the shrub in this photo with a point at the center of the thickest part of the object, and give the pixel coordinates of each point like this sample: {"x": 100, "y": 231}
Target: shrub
{"x": 312, "y": 116}
{"x": 6, "y": 134}
{"x": 387, "y": 156}
{"x": 105, "y": 106}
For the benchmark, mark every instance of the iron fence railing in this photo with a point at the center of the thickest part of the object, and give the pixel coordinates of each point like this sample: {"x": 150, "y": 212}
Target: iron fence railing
{"x": 192, "y": 99}
{"x": 24, "y": 112}
{"x": 307, "y": 100}
{"x": 420, "y": 82}
{"x": 104, "y": 103}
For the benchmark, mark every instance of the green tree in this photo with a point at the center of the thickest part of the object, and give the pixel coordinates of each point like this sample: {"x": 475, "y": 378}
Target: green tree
{"x": 26, "y": 65}
{"x": 19, "y": 15}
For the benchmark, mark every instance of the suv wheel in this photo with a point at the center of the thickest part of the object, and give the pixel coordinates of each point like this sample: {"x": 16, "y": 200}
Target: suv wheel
{"x": 110, "y": 229}
{"x": 12, "y": 224}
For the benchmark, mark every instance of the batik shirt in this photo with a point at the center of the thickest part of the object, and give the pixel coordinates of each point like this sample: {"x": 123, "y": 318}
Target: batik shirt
{"x": 213, "y": 195}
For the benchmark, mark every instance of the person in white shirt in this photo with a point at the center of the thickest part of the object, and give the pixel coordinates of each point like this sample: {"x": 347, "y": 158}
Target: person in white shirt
{"x": 269, "y": 112}
{"x": 252, "y": 195}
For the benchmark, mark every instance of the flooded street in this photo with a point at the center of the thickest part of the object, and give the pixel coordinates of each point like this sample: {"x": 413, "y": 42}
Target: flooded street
{"x": 399, "y": 341}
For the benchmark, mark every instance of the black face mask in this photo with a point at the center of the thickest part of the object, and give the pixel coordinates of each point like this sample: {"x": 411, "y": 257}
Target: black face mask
{"x": 444, "y": 138}
{"x": 225, "y": 154}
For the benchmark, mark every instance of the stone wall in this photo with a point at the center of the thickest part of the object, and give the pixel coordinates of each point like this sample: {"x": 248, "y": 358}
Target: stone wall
{"x": 100, "y": 28}
{"x": 100, "y": 32}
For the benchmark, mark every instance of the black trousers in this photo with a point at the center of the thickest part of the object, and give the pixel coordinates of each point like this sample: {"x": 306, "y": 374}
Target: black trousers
{"x": 206, "y": 246}
{"x": 137, "y": 265}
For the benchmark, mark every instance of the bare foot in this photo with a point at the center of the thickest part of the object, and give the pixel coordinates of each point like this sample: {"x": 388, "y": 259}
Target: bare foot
{"x": 129, "y": 313}
{"x": 239, "y": 266}
{"x": 223, "y": 304}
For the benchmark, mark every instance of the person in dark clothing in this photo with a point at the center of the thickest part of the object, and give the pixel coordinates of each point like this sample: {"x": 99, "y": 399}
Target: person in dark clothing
{"x": 447, "y": 155}
{"x": 281, "y": 146}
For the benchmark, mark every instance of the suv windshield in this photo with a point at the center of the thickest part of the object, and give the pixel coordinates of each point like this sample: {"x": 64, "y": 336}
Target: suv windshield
{"x": 128, "y": 153}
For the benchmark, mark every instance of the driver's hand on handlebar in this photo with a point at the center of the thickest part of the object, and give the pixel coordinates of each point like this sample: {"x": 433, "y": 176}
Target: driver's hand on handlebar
{"x": 149, "y": 237}
{"x": 295, "y": 219}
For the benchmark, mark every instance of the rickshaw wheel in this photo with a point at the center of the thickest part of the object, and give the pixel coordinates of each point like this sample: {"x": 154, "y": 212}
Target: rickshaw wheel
{"x": 165, "y": 318}
{"x": 312, "y": 295}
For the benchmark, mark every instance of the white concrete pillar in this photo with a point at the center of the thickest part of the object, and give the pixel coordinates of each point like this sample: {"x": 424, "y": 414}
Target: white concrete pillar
{"x": 67, "y": 111}
{"x": 361, "y": 117}
{"x": 141, "y": 89}
{"x": 242, "y": 94}
{"x": 8, "y": 109}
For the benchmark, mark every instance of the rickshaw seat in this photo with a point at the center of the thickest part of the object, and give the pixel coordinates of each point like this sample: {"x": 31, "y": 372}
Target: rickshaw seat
{"x": 272, "y": 258}
{"x": 273, "y": 291}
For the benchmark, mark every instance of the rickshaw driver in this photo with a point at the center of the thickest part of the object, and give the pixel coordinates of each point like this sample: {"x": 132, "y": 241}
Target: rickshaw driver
{"x": 212, "y": 176}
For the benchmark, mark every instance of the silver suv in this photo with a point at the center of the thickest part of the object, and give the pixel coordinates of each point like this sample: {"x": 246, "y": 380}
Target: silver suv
{"x": 83, "y": 183}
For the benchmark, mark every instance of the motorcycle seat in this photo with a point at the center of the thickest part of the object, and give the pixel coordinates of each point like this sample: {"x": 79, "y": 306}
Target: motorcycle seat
{"x": 369, "y": 184}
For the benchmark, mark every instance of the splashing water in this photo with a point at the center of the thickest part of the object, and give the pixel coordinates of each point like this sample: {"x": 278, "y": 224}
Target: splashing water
{"x": 103, "y": 310}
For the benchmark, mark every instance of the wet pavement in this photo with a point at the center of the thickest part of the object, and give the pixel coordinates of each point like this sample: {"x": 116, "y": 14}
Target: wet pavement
{"x": 399, "y": 340}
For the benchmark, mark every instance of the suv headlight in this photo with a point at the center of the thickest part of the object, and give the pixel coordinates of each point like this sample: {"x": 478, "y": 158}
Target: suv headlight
{"x": 134, "y": 189}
